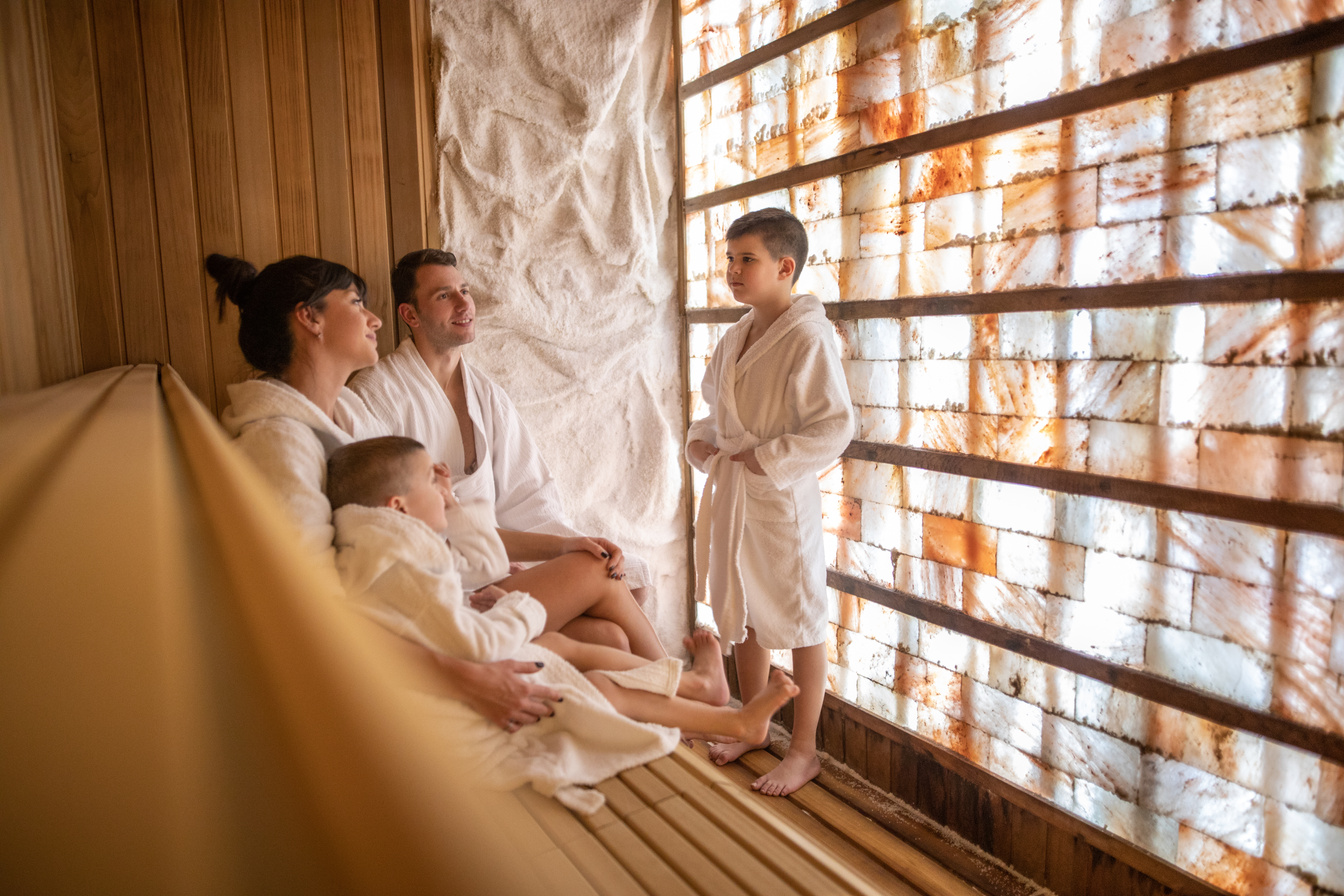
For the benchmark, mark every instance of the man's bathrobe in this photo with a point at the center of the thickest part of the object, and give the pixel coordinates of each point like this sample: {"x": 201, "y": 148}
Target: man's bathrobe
{"x": 758, "y": 539}
{"x": 510, "y": 472}
{"x": 401, "y": 573}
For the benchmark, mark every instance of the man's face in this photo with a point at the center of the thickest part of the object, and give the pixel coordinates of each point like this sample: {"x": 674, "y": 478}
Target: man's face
{"x": 446, "y": 315}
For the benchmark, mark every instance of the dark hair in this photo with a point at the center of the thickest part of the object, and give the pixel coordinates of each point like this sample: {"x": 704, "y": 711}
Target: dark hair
{"x": 265, "y": 300}
{"x": 370, "y": 472}
{"x": 404, "y": 274}
{"x": 782, "y": 233}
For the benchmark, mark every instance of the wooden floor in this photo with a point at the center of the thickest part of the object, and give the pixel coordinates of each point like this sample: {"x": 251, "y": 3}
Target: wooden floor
{"x": 681, "y": 825}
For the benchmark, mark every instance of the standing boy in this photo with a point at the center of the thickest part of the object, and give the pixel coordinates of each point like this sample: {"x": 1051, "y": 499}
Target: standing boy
{"x": 779, "y": 414}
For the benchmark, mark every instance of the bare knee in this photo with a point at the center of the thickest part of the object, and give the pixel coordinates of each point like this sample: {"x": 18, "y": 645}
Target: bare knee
{"x": 554, "y": 642}
{"x": 592, "y": 630}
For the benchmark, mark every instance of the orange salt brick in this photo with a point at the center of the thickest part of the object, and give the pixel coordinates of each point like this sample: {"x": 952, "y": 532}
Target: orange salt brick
{"x": 1063, "y": 202}
{"x": 779, "y": 154}
{"x": 949, "y": 431}
{"x": 1013, "y": 264}
{"x": 1233, "y": 870}
{"x": 848, "y": 611}
{"x": 893, "y": 231}
{"x": 1165, "y": 34}
{"x": 830, "y": 138}
{"x": 1017, "y": 388}
{"x": 1260, "y": 101}
{"x": 941, "y": 690}
{"x": 911, "y": 676}
{"x": 960, "y": 543}
{"x": 1136, "y": 451}
{"x": 1248, "y": 20}
{"x": 1271, "y": 467}
{"x": 945, "y": 55}
{"x": 951, "y": 733}
{"x": 1308, "y": 694}
{"x": 963, "y": 217}
{"x": 1131, "y": 129}
{"x": 1330, "y": 794}
{"x": 840, "y": 516}
{"x": 869, "y": 82}
{"x": 1017, "y": 29}
{"x": 1159, "y": 186}
{"x": 1043, "y": 442}
{"x": 938, "y": 173}
{"x": 889, "y": 119}
{"x": 984, "y": 336}
{"x": 1277, "y": 621}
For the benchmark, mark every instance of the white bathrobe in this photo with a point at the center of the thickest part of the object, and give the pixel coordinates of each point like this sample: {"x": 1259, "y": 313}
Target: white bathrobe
{"x": 400, "y": 572}
{"x": 758, "y": 539}
{"x": 510, "y": 472}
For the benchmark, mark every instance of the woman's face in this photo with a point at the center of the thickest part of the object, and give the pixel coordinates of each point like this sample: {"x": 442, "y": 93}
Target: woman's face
{"x": 349, "y": 329}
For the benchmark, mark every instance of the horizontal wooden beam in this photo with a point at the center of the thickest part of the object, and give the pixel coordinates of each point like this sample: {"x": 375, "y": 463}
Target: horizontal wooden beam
{"x": 1150, "y": 82}
{"x": 1321, "y": 519}
{"x": 832, "y": 21}
{"x": 1223, "y": 289}
{"x": 1132, "y": 681}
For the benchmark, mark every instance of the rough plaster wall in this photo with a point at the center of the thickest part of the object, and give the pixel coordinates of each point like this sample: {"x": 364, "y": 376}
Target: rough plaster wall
{"x": 556, "y": 153}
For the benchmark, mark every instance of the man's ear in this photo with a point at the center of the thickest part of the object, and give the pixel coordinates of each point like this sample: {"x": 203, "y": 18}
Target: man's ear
{"x": 309, "y": 318}
{"x": 406, "y": 311}
{"x": 786, "y": 267}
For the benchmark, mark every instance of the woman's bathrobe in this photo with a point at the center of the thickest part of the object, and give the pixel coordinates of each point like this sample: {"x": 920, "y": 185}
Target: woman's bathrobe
{"x": 510, "y": 472}
{"x": 401, "y": 573}
{"x": 758, "y": 538}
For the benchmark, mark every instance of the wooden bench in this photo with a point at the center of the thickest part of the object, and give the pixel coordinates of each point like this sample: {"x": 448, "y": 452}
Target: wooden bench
{"x": 182, "y": 704}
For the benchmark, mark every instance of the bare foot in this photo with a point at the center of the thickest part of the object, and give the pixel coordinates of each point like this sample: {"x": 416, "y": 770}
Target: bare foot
{"x": 756, "y": 719}
{"x": 707, "y": 681}
{"x": 793, "y": 771}
{"x": 722, "y": 754}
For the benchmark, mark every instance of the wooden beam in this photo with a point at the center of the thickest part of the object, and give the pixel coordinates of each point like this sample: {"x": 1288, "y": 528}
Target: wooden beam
{"x": 1131, "y": 681}
{"x": 1151, "y": 82}
{"x": 1222, "y": 289}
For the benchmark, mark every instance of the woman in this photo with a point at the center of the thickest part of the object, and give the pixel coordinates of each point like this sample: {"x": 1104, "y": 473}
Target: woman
{"x": 303, "y": 322}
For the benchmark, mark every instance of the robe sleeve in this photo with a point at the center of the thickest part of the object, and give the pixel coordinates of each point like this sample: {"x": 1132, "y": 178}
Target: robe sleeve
{"x": 823, "y": 421}
{"x": 526, "y": 496}
{"x": 706, "y": 428}
{"x": 477, "y": 550}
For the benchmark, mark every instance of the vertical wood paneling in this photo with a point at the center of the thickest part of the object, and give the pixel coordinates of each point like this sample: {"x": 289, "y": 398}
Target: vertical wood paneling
{"x": 175, "y": 194}
{"x": 249, "y": 96}
{"x": 296, "y": 189}
{"x": 216, "y": 193}
{"x": 74, "y": 81}
{"x": 405, "y": 166}
{"x": 331, "y": 150}
{"x": 117, "y": 39}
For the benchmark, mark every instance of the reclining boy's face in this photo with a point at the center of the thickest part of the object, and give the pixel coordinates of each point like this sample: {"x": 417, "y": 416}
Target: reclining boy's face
{"x": 428, "y": 491}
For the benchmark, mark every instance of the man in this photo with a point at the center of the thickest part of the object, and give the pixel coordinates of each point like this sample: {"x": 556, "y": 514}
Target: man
{"x": 426, "y": 390}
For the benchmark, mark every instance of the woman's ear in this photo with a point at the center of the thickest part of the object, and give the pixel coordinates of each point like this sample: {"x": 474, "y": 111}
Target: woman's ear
{"x": 309, "y": 318}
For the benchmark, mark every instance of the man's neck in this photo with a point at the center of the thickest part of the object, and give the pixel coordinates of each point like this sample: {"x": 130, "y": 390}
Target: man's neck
{"x": 445, "y": 366}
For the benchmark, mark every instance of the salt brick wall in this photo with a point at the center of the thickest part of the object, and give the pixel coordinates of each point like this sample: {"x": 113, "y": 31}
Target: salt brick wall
{"x": 1240, "y": 174}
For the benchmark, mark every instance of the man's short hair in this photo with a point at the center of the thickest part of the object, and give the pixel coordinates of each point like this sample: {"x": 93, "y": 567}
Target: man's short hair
{"x": 782, "y": 233}
{"x": 370, "y": 472}
{"x": 404, "y": 274}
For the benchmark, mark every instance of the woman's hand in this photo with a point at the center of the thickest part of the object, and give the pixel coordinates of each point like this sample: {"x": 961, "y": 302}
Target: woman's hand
{"x": 701, "y": 451}
{"x": 485, "y": 598}
{"x": 748, "y": 457}
{"x": 600, "y": 548}
{"x": 501, "y": 692}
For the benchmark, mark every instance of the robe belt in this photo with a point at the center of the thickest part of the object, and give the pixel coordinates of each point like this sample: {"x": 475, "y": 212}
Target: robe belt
{"x": 723, "y": 504}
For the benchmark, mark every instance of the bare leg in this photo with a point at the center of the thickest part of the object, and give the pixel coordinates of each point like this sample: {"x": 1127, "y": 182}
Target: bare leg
{"x": 588, "y": 656}
{"x": 601, "y": 632}
{"x": 641, "y": 595}
{"x": 707, "y": 677}
{"x": 753, "y": 670}
{"x": 577, "y": 584}
{"x": 800, "y": 763}
{"x": 751, "y": 722}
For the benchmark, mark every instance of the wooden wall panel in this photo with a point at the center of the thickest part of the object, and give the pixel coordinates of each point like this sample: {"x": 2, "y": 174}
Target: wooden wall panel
{"x": 293, "y": 136}
{"x": 249, "y": 94}
{"x": 331, "y": 138}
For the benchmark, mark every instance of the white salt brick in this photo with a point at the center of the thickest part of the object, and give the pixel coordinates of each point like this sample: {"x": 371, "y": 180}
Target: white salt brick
{"x": 1288, "y": 775}
{"x": 842, "y": 682}
{"x": 963, "y": 218}
{"x": 1234, "y": 870}
{"x": 1028, "y": 772}
{"x": 873, "y": 383}
{"x": 1091, "y": 755}
{"x": 994, "y": 600}
{"x": 880, "y": 424}
{"x": 886, "y": 626}
{"x": 1153, "y": 832}
{"x": 865, "y": 561}
{"x": 892, "y": 528}
{"x": 1051, "y": 566}
{"x": 879, "y": 339}
{"x": 1337, "y": 640}
{"x": 936, "y": 385}
{"x": 1255, "y": 239}
{"x": 936, "y": 271}
{"x": 1149, "y": 334}
{"x": 1046, "y": 686}
{"x": 873, "y": 482}
{"x": 1017, "y": 155}
{"x": 1323, "y": 158}
{"x": 1015, "y": 388}
{"x": 1032, "y": 76}
{"x": 1300, "y": 840}
{"x": 871, "y": 659}
{"x": 1110, "y": 390}
{"x": 1260, "y": 170}
{"x": 1219, "y": 808}
{"x": 1117, "y": 132}
{"x": 1121, "y": 253}
{"x": 1159, "y": 186}
{"x": 1113, "y": 526}
{"x": 1278, "y": 621}
{"x": 876, "y": 698}
{"x": 869, "y": 279}
{"x": 1137, "y": 588}
{"x": 1014, "y": 264}
{"x": 1204, "y": 396}
{"x": 1113, "y": 711}
{"x": 1327, "y": 85}
{"x": 1216, "y": 666}
{"x": 1318, "y": 400}
{"x": 953, "y": 734}
{"x": 1220, "y": 547}
{"x": 1096, "y": 630}
{"x": 1323, "y": 242}
{"x": 954, "y": 651}
{"x": 1045, "y": 336}
{"x": 1315, "y": 564}
{"x": 1013, "y": 721}
{"x": 1014, "y": 508}
{"x": 939, "y": 493}
{"x": 1137, "y": 451}
{"x": 944, "y": 336}
{"x": 871, "y": 189}
{"x": 937, "y": 582}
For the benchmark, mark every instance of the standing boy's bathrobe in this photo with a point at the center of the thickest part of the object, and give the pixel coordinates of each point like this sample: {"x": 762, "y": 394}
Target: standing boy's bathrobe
{"x": 400, "y": 572}
{"x": 510, "y": 472}
{"x": 758, "y": 539}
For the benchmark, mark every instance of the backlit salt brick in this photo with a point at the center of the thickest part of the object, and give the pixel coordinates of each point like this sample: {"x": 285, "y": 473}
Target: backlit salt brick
{"x": 936, "y": 385}
{"x": 1149, "y": 334}
{"x": 841, "y": 681}
{"x": 1261, "y": 101}
{"x": 1329, "y": 802}
{"x": 1284, "y": 468}
{"x": 1204, "y": 396}
{"x": 1219, "y": 808}
{"x": 766, "y": 26}
{"x": 1017, "y": 155}
{"x": 886, "y": 626}
{"x": 994, "y": 600}
{"x": 1261, "y": 170}
{"x": 872, "y": 382}
{"x": 1136, "y": 451}
{"x": 938, "y": 173}
{"x": 1218, "y": 667}
{"x": 952, "y": 100}
{"x": 942, "y": 56}
{"x": 1336, "y": 663}
{"x": 820, "y": 280}
{"x": 1302, "y": 841}
{"x": 1112, "y": 526}
{"x": 941, "y": 13}
{"x": 1219, "y": 547}
{"x": 1095, "y": 630}
{"x": 880, "y": 424}
{"x": 1019, "y": 388}
{"x": 1224, "y": 752}
{"x": 874, "y": 482}
{"x": 1120, "y": 254}
{"x": 1050, "y": 566}
{"x": 1248, "y": 20}
{"x": 867, "y": 657}
{"x": 1018, "y": 29}
{"x": 1138, "y": 588}
{"x": 891, "y": 119}
{"x": 1288, "y": 775}
{"x": 1327, "y": 85}
{"x": 1114, "y": 711}
{"x": 953, "y": 651}
{"x": 942, "y": 336}
{"x": 840, "y": 516}
{"x": 939, "y": 493}
{"x": 1159, "y": 186}
{"x": 1065, "y": 201}
{"x": 768, "y": 119}
{"x": 1277, "y": 621}
{"x": 1136, "y": 128}
{"x": 1315, "y": 564}
{"x": 870, "y": 279}
{"x": 1232, "y": 869}
{"x": 871, "y": 188}
{"x": 865, "y": 561}
{"x": 895, "y": 231}
{"x": 1090, "y": 755}
{"x": 846, "y": 339}
{"x": 963, "y": 218}
{"x": 1275, "y": 333}
{"x": 1308, "y": 694}
{"x": 817, "y": 200}
{"x": 932, "y": 581}
{"x": 815, "y": 101}
{"x": 1126, "y": 820}
{"x": 1016, "y": 722}
{"x": 1257, "y": 239}
{"x": 1323, "y": 242}
{"x": 842, "y": 610}
{"x": 1323, "y": 159}
{"x": 887, "y": 28}
{"x": 879, "y": 338}
{"x": 731, "y": 96}
{"x": 1013, "y": 264}
{"x": 955, "y": 735}
{"x": 940, "y": 690}
{"x": 1110, "y": 390}
{"x": 892, "y": 528}
{"x": 1033, "y": 77}
{"x": 876, "y": 698}
{"x": 1164, "y": 34}
{"x": 1043, "y": 442}
{"x": 1041, "y": 684}
{"x": 1029, "y": 773}
{"x": 949, "y": 431}
{"x": 1013, "y": 507}
{"x": 960, "y": 544}
{"x": 826, "y": 239}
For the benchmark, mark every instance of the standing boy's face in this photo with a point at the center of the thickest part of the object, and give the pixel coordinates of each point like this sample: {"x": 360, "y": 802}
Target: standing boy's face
{"x": 754, "y": 274}
{"x": 427, "y": 498}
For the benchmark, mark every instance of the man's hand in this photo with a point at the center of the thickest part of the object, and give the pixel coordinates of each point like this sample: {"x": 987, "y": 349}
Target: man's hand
{"x": 600, "y": 548}
{"x": 501, "y": 692}
{"x": 702, "y": 451}
{"x": 485, "y": 598}
{"x": 749, "y": 458}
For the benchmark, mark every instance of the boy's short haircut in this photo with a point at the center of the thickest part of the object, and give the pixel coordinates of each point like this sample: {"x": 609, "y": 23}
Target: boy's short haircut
{"x": 782, "y": 233}
{"x": 408, "y": 269}
{"x": 370, "y": 472}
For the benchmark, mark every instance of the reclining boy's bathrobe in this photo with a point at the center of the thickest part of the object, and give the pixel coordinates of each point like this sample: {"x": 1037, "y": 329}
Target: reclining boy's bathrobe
{"x": 401, "y": 573}
{"x": 510, "y": 472}
{"x": 758, "y": 539}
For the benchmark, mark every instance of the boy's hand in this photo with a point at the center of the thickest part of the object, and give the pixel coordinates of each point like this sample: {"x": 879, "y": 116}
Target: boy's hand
{"x": 486, "y": 598}
{"x": 749, "y": 458}
{"x": 702, "y": 451}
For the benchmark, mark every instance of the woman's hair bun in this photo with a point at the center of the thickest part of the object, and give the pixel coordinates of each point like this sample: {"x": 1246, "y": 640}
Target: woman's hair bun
{"x": 234, "y": 276}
